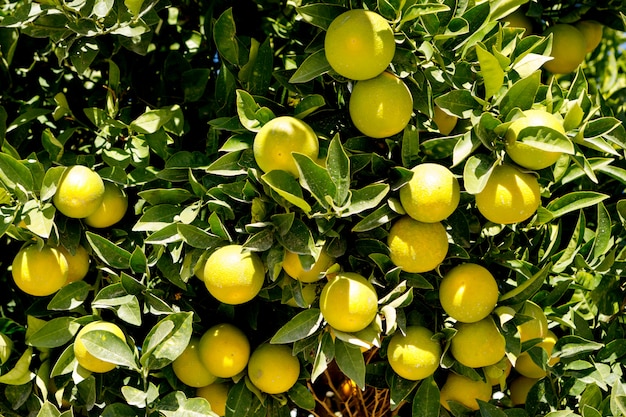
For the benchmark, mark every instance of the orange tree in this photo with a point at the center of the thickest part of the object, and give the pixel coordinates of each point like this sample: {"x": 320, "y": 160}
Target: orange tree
{"x": 163, "y": 101}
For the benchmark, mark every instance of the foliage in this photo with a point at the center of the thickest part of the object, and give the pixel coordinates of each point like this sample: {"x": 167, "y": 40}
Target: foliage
{"x": 164, "y": 99}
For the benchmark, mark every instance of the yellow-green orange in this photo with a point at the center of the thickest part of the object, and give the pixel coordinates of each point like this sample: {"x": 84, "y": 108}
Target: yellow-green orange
{"x": 6, "y": 345}
{"x": 527, "y": 155}
{"x": 111, "y": 210}
{"x": 417, "y": 246}
{"x": 569, "y": 48}
{"x": 525, "y": 365}
{"x": 382, "y": 106}
{"x": 84, "y": 357}
{"x": 518, "y": 19}
{"x": 224, "y": 350}
{"x": 465, "y": 391}
{"x": 189, "y": 369}
{"x": 510, "y": 195}
{"x": 38, "y": 271}
{"x": 217, "y": 395}
{"x": 520, "y": 387}
{"x": 468, "y": 293}
{"x": 497, "y": 373}
{"x": 79, "y": 192}
{"x": 414, "y": 355}
{"x": 348, "y": 302}
{"x": 293, "y": 266}
{"x": 537, "y": 326}
{"x": 308, "y": 291}
{"x": 77, "y": 262}
{"x": 275, "y": 142}
{"x": 234, "y": 275}
{"x": 273, "y": 369}
{"x": 432, "y": 194}
{"x": 478, "y": 344}
{"x": 445, "y": 122}
{"x": 359, "y": 44}
{"x": 592, "y": 32}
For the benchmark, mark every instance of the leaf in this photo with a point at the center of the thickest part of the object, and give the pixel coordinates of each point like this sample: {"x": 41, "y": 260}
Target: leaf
{"x": 242, "y": 402}
{"x": 546, "y": 139}
{"x": 48, "y": 410}
{"x": 460, "y": 103}
{"x": 302, "y": 397}
{"x": 521, "y": 94}
{"x": 527, "y": 289}
{"x": 308, "y": 105}
{"x": 382, "y": 215}
{"x": 109, "y": 347}
{"x": 400, "y": 389}
{"x": 196, "y": 237}
{"x": 573, "y": 201}
{"x": 366, "y": 198}
{"x": 492, "y": 73}
{"x": 571, "y": 345}
{"x": 476, "y": 172}
{"x": 166, "y": 340}
{"x": 153, "y": 120}
{"x": 489, "y": 410}
{"x": 600, "y": 127}
{"x": 176, "y": 404}
{"x": 426, "y": 400}
{"x": 157, "y": 196}
{"x": 65, "y": 363}
{"x": 316, "y": 179}
{"x": 54, "y": 333}
{"x": 303, "y": 325}
{"x": 350, "y": 360}
{"x": 225, "y": 36}
{"x": 320, "y": 14}
{"x": 15, "y": 175}
{"x": 325, "y": 353}
{"x": 82, "y": 54}
{"x": 108, "y": 252}
{"x": 251, "y": 115}
{"x": 312, "y": 67}
{"x": 156, "y": 218}
{"x": 338, "y": 166}
{"x": 70, "y": 296}
{"x": 20, "y": 374}
{"x": 286, "y": 186}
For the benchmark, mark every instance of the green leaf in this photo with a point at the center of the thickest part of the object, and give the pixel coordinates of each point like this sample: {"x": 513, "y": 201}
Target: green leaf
{"x": 108, "y": 252}
{"x": 109, "y": 347}
{"x": 228, "y": 44}
{"x": 574, "y": 201}
{"x": 400, "y": 389}
{"x": 571, "y": 345}
{"x": 351, "y": 362}
{"x": 82, "y": 54}
{"x": 153, "y": 120}
{"x": 303, "y": 325}
{"x": 48, "y": 410}
{"x": 325, "y": 353}
{"x": 308, "y": 105}
{"x": 157, "y": 217}
{"x": 460, "y": 103}
{"x": 338, "y": 166}
{"x": 521, "y": 94}
{"x": 70, "y": 296}
{"x": 411, "y": 153}
{"x": 176, "y": 404}
{"x": 476, "y": 172}
{"x": 490, "y": 410}
{"x": 54, "y": 333}
{"x": 65, "y": 363}
{"x": 15, "y": 175}
{"x": 157, "y": 196}
{"x": 600, "y": 127}
{"x": 316, "y": 179}
{"x": 196, "y": 237}
{"x": 286, "y": 186}
{"x": 366, "y": 198}
{"x": 320, "y": 14}
{"x": 302, "y": 397}
{"x": 194, "y": 82}
{"x": 251, "y": 115}
{"x": 167, "y": 340}
{"x": 242, "y": 402}
{"x": 426, "y": 400}
{"x": 492, "y": 73}
{"x": 527, "y": 289}
{"x": 546, "y": 139}
{"x": 227, "y": 165}
{"x": 20, "y": 374}
{"x": 114, "y": 297}
{"x": 312, "y": 67}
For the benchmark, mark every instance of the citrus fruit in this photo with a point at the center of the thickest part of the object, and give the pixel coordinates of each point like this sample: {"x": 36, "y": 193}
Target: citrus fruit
{"x": 537, "y": 326}
{"x": 526, "y": 155}
{"x": 497, "y": 373}
{"x": 592, "y": 32}
{"x": 224, "y": 350}
{"x": 79, "y": 192}
{"x": 478, "y": 344}
{"x": 520, "y": 387}
{"x": 510, "y": 195}
{"x": 216, "y": 395}
{"x": 6, "y": 345}
{"x": 463, "y": 390}
{"x": 445, "y": 122}
{"x": 348, "y": 302}
{"x": 86, "y": 359}
{"x": 417, "y": 246}
{"x": 111, "y": 210}
{"x": 77, "y": 263}
{"x": 432, "y": 194}
{"x": 188, "y": 366}
{"x": 382, "y": 106}
{"x": 234, "y": 275}
{"x": 468, "y": 293}
{"x": 308, "y": 292}
{"x": 359, "y": 44}
{"x": 39, "y": 271}
{"x": 293, "y": 266}
{"x": 518, "y": 19}
{"x": 525, "y": 365}
{"x": 277, "y": 139}
{"x": 273, "y": 369}
{"x": 347, "y": 389}
{"x": 569, "y": 48}
{"x": 414, "y": 355}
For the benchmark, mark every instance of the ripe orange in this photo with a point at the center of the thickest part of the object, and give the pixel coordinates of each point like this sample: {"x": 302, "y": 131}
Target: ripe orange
{"x": 224, "y": 350}
{"x": 86, "y": 359}
{"x": 445, "y": 122}
{"x": 189, "y": 369}
{"x": 275, "y": 142}
{"x": 293, "y": 266}
{"x": 518, "y": 19}
{"x": 77, "y": 263}
{"x": 416, "y": 246}
{"x": 537, "y": 326}
{"x": 432, "y": 194}
{"x": 348, "y": 302}
{"x": 414, "y": 355}
{"x": 79, "y": 192}
{"x": 111, "y": 210}
{"x": 359, "y": 44}
{"x": 273, "y": 369}
{"x": 478, "y": 344}
{"x": 465, "y": 391}
{"x": 234, "y": 275}
{"x": 569, "y": 48}
{"x": 510, "y": 195}
{"x": 592, "y": 32}
{"x": 468, "y": 293}
{"x": 382, "y": 106}
{"x": 526, "y": 155}
{"x": 520, "y": 387}
{"x": 38, "y": 271}
{"x": 217, "y": 395}
{"x": 525, "y": 365}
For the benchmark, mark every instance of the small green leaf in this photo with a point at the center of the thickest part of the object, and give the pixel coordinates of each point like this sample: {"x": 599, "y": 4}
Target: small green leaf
{"x": 286, "y": 186}
{"x": 153, "y": 120}
{"x": 108, "y": 252}
{"x": 492, "y": 73}
{"x": 316, "y": 179}
{"x": 20, "y": 373}
{"x": 251, "y": 115}
{"x": 338, "y": 166}
{"x": 426, "y": 400}
{"x": 351, "y": 362}
{"x": 382, "y": 215}
{"x": 460, "y": 103}
{"x": 15, "y": 175}
{"x": 308, "y": 105}
{"x": 521, "y": 94}
{"x": 366, "y": 198}
{"x": 476, "y": 172}
{"x": 490, "y": 410}
{"x": 312, "y": 67}
{"x": 324, "y": 355}
{"x": 157, "y": 217}
{"x": 242, "y": 402}
{"x": 48, "y": 410}
{"x": 320, "y": 14}
{"x": 571, "y": 345}
{"x": 303, "y": 325}
{"x": 167, "y": 340}
{"x": 70, "y": 296}
{"x": 54, "y": 333}
{"x": 573, "y": 201}
{"x": 228, "y": 44}
{"x": 109, "y": 347}
{"x": 176, "y": 404}
{"x": 198, "y": 238}
{"x": 527, "y": 289}
{"x": 302, "y": 397}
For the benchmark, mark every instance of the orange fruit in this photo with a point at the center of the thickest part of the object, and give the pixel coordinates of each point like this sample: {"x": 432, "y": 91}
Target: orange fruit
{"x": 414, "y": 355}
{"x": 348, "y": 302}
{"x": 273, "y": 369}
{"x": 416, "y": 246}
{"x": 468, "y": 293}
{"x": 39, "y": 271}
{"x": 79, "y": 192}
{"x": 569, "y": 48}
